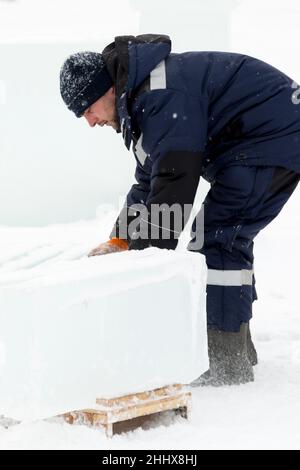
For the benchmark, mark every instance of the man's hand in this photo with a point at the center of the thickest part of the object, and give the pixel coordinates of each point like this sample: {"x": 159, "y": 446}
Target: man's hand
{"x": 111, "y": 246}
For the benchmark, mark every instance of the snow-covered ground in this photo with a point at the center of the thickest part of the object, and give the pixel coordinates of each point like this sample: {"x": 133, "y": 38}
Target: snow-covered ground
{"x": 54, "y": 176}
{"x": 263, "y": 414}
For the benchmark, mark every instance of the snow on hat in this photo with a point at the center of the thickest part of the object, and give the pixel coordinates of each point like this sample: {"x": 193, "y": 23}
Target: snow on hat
{"x": 84, "y": 78}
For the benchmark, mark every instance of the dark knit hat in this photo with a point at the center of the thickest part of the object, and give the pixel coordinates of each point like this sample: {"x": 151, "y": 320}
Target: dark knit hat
{"x": 84, "y": 78}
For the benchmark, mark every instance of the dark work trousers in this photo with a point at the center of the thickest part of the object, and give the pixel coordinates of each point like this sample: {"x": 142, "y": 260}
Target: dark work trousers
{"x": 242, "y": 201}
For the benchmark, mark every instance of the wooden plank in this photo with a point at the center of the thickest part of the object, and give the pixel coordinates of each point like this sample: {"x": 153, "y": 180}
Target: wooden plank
{"x": 109, "y": 430}
{"x": 147, "y": 408}
{"x": 140, "y": 396}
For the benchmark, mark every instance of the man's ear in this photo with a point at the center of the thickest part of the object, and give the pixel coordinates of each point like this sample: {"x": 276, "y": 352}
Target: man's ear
{"x": 112, "y": 91}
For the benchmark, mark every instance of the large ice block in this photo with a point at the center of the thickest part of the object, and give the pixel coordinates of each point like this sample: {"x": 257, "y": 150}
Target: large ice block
{"x": 73, "y": 330}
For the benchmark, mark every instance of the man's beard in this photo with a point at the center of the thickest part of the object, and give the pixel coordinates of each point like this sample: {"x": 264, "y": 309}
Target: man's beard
{"x": 118, "y": 124}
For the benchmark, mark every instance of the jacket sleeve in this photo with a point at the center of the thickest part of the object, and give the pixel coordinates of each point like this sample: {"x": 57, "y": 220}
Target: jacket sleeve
{"x": 137, "y": 196}
{"x": 173, "y": 135}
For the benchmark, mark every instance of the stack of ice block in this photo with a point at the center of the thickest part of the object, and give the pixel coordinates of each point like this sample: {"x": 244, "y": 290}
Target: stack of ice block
{"x": 76, "y": 329}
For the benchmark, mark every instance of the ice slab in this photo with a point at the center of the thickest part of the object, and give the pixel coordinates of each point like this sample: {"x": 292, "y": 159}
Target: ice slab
{"x": 75, "y": 328}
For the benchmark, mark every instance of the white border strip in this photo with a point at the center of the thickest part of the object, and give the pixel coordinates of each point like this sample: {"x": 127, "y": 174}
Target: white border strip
{"x": 158, "y": 77}
{"x": 139, "y": 151}
{"x": 228, "y": 277}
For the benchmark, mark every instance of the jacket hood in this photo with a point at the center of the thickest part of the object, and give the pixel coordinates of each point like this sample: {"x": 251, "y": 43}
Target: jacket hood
{"x": 130, "y": 59}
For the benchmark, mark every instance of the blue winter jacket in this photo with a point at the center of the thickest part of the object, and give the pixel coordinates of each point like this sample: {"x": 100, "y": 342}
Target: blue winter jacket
{"x": 188, "y": 115}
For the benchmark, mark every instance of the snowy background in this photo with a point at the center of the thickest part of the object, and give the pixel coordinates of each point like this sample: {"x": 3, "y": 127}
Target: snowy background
{"x": 55, "y": 170}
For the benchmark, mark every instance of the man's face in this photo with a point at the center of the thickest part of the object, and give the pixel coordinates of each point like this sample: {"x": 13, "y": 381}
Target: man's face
{"x": 103, "y": 111}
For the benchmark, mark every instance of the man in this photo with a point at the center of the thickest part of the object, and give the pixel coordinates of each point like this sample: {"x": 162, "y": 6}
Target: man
{"x": 228, "y": 117}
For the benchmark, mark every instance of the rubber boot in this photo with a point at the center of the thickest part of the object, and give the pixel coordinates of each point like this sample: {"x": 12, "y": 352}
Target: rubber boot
{"x": 228, "y": 359}
{"x": 252, "y": 354}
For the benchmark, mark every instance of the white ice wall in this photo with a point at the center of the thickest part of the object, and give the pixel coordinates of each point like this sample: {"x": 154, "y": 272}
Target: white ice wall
{"x": 192, "y": 25}
{"x": 269, "y": 31}
{"x": 53, "y": 168}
